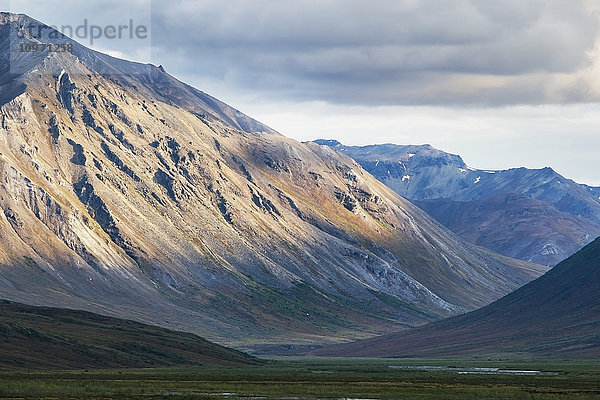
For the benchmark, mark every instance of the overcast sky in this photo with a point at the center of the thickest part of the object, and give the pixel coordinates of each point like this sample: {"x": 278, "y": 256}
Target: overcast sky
{"x": 503, "y": 83}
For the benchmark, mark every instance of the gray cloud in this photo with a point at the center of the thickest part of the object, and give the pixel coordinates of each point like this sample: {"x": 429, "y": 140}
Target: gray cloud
{"x": 381, "y": 52}
{"x": 366, "y": 52}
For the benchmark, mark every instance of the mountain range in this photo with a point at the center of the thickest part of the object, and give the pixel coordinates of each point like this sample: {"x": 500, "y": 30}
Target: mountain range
{"x": 130, "y": 194}
{"x": 556, "y": 316}
{"x": 534, "y": 215}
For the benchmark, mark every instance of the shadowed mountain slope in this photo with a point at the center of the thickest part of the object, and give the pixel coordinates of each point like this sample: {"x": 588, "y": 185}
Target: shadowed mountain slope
{"x": 555, "y": 316}
{"x": 52, "y": 338}
{"x": 125, "y": 192}
{"x": 514, "y": 225}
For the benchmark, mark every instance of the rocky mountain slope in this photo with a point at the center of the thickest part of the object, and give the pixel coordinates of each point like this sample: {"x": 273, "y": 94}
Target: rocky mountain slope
{"x": 128, "y": 193}
{"x": 53, "y": 338}
{"x": 555, "y": 316}
{"x": 533, "y": 215}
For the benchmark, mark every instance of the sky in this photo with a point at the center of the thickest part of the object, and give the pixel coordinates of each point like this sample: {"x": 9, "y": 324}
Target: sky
{"x": 502, "y": 83}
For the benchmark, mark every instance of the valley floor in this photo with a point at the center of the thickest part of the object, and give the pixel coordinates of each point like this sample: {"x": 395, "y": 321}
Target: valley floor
{"x": 319, "y": 378}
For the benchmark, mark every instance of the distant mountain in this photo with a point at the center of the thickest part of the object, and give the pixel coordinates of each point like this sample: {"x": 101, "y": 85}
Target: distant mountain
{"x": 52, "y": 338}
{"x": 126, "y": 192}
{"x": 555, "y": 316}
{"x": 549, "y": 219}
{"x": 514, "y": 225}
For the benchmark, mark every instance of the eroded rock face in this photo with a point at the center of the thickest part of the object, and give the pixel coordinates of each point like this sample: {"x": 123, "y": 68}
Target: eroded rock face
{"x": 132, "y": 194}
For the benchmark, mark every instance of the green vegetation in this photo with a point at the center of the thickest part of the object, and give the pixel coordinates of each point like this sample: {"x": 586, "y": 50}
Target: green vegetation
{"x": 51, "y": 338}
{"x": 309, "y": 378}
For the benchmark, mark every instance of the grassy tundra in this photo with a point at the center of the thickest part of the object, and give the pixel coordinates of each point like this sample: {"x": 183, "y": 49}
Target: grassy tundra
{"x": 311, "y": 378}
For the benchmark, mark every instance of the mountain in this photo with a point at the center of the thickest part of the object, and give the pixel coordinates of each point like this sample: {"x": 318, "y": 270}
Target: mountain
{"x": 556, "y": 316}
{"x": 128, "y": 193}
{"x": 534, "y": 215}
{"x": 514, "y": 225}
{"x": 52, "y": 338}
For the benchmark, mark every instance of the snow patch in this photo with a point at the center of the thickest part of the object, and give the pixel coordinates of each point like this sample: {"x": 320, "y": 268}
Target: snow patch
{"x": 411, "y": 155}
{"x": 550, "y": 249}
{"x": 478, "y": 179}
{"x": 406, "y": 178}
{"x": 462, "y": 170}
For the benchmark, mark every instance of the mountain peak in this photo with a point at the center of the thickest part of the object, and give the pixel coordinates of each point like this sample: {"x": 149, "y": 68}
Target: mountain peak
{"x": 395, "y": 153}
{"x": 6, "y": 17}
{"x": 150, "y": 80}
{"x": 327, "y": 142}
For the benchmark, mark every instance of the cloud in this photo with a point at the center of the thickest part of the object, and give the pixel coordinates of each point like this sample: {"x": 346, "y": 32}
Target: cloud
{"x": 380, "y": 52}
{"x": 375, "y": 52}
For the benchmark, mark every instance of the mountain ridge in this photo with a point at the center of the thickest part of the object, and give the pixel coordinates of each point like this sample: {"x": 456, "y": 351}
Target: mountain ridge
{"x": 436, "y": 181}
{"x": 154, "y": 79}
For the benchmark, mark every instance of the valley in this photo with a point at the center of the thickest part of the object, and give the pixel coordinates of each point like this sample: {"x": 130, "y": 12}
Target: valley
{"x": 156, "y": 242}
{"x": 128, "y": 193}
{"x": 556, "y": 316}
{"x": 315, "y": 378}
